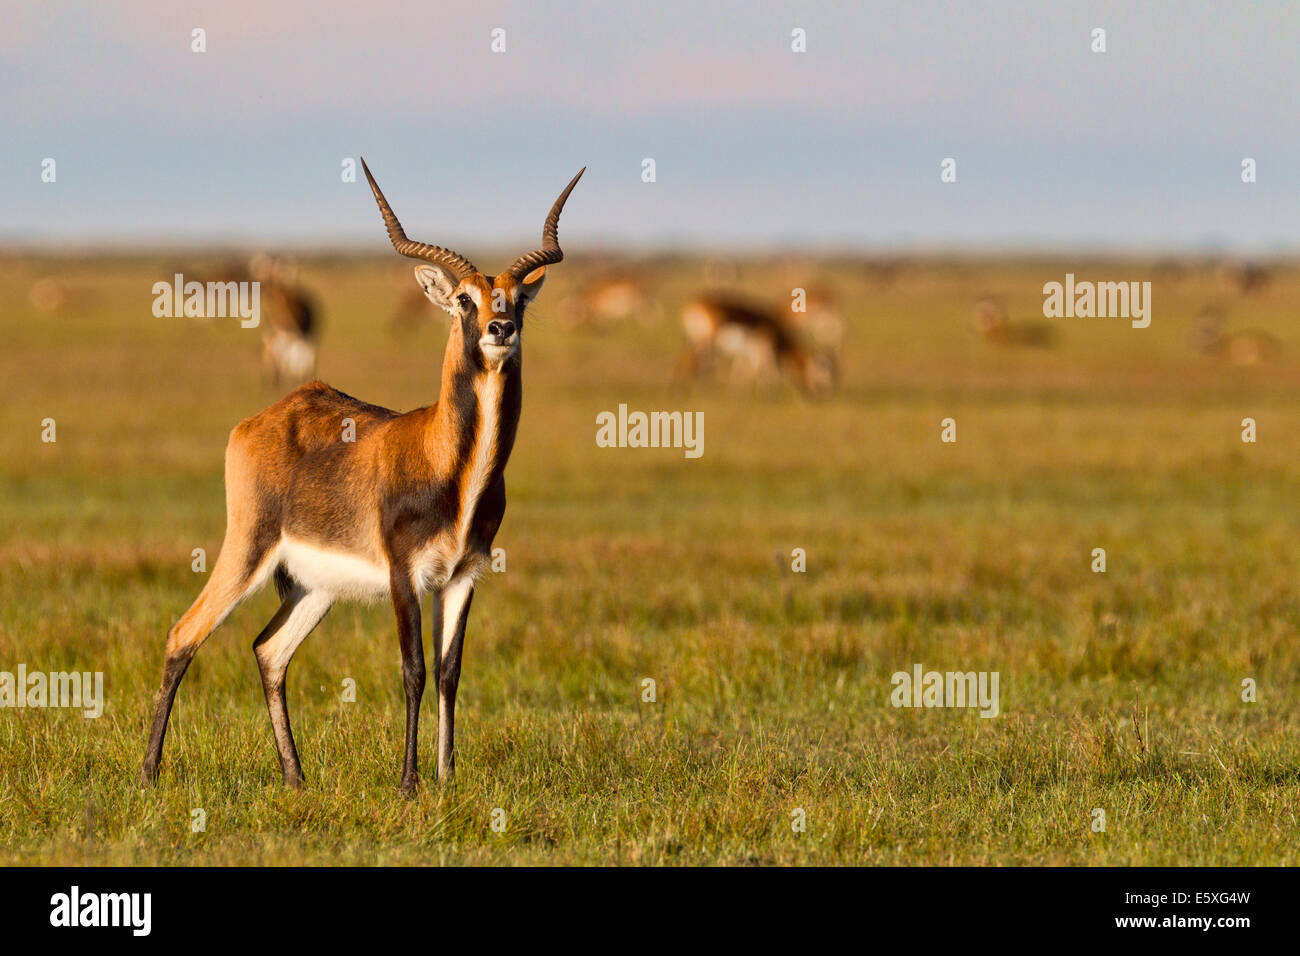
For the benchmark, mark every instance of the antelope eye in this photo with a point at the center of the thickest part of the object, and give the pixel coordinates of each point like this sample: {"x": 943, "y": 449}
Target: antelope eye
{"x": 465, "y": 301}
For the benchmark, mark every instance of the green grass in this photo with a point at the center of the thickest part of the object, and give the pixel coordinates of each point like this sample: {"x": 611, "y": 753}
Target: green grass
{"x": 773, "y": 688}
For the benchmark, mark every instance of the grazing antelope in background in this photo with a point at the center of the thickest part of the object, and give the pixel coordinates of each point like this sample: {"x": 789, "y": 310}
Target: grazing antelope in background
{"x": 995, "y": 326}
{"x": 51, "y": 295}
{"x": 290, "y": 326}
{"x": 755, "y": 340}
{"x": 47, "y": 295}
{"x": 1245, "y": 278}
{"x": 410, "y": 506}
{"x": 606, "y": 299}
{"x": 821, "y": 322}
{"x": 411, "y": 312}
{"x": 884, "y": 271}
{"x": 1169, "y": 272}
{"x": 1249, "y": 347}
{"x": 289, "y": 334}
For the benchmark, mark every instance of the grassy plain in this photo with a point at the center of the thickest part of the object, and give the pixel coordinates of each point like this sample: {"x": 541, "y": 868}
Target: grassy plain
{"x": 773, "y": 687}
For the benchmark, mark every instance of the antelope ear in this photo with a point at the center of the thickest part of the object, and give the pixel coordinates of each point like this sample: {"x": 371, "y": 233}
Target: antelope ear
{"x": 532, "y": 283}
{"x": 438, "y": 285}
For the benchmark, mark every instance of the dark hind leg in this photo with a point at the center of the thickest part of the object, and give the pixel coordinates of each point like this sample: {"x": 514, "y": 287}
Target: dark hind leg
{"x": 297, "y": 617}
{"x": 230, "y": 583}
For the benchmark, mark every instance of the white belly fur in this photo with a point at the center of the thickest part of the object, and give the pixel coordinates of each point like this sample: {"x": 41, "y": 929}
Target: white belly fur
{"x": 351, "y": 576}
{"x": 334, "y": 572}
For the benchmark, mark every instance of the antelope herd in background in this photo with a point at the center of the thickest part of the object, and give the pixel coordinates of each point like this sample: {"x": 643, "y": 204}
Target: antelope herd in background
{"x": 1242, "y": 280}
{"x": 730, "y": 335}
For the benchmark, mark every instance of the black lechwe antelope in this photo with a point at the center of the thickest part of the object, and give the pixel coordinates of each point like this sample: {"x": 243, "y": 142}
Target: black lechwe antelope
{"x": 410, "y": 506}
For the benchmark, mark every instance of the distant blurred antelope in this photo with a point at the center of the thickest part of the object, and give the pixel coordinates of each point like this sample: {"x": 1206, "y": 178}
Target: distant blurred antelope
{"x": 51, "y": 295}
{"x": 1250, "y": 347}
{"x": 411, "y": 312}
{"x": 820, "y": 322}
{"x": 1169, "y": 271}
{"x": 996, "y": 327}
{"x": 884, "y": 271}
{"x": 289, "y": 317}
{"x": 289, "y": 327}
{"x": 756, "y": 340}
{"x": 1245, "y": 278}
{"x": 606, "y": 299}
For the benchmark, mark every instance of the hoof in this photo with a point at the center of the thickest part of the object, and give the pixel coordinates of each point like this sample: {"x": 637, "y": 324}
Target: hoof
{"x": 148, "y": 777}
{"x": 292, "y": 782}
{"x": 409, "y": 786}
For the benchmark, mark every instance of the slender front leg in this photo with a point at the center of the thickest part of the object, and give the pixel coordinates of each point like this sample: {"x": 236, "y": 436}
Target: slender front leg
{"x": 406, "y": 604}
{"x": 454, "y": 606}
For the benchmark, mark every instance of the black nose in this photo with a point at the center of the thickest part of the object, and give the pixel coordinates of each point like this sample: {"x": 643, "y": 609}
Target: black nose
{"x": 501, "y": 330}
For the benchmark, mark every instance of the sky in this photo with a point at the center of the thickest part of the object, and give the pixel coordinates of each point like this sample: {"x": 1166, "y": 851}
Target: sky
{"x": 754, "y": 145}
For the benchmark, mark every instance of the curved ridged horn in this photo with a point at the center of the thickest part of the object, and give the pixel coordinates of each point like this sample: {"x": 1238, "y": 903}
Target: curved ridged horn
{"x": 550, "y": 253}
{"x": 453, "y": 262}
